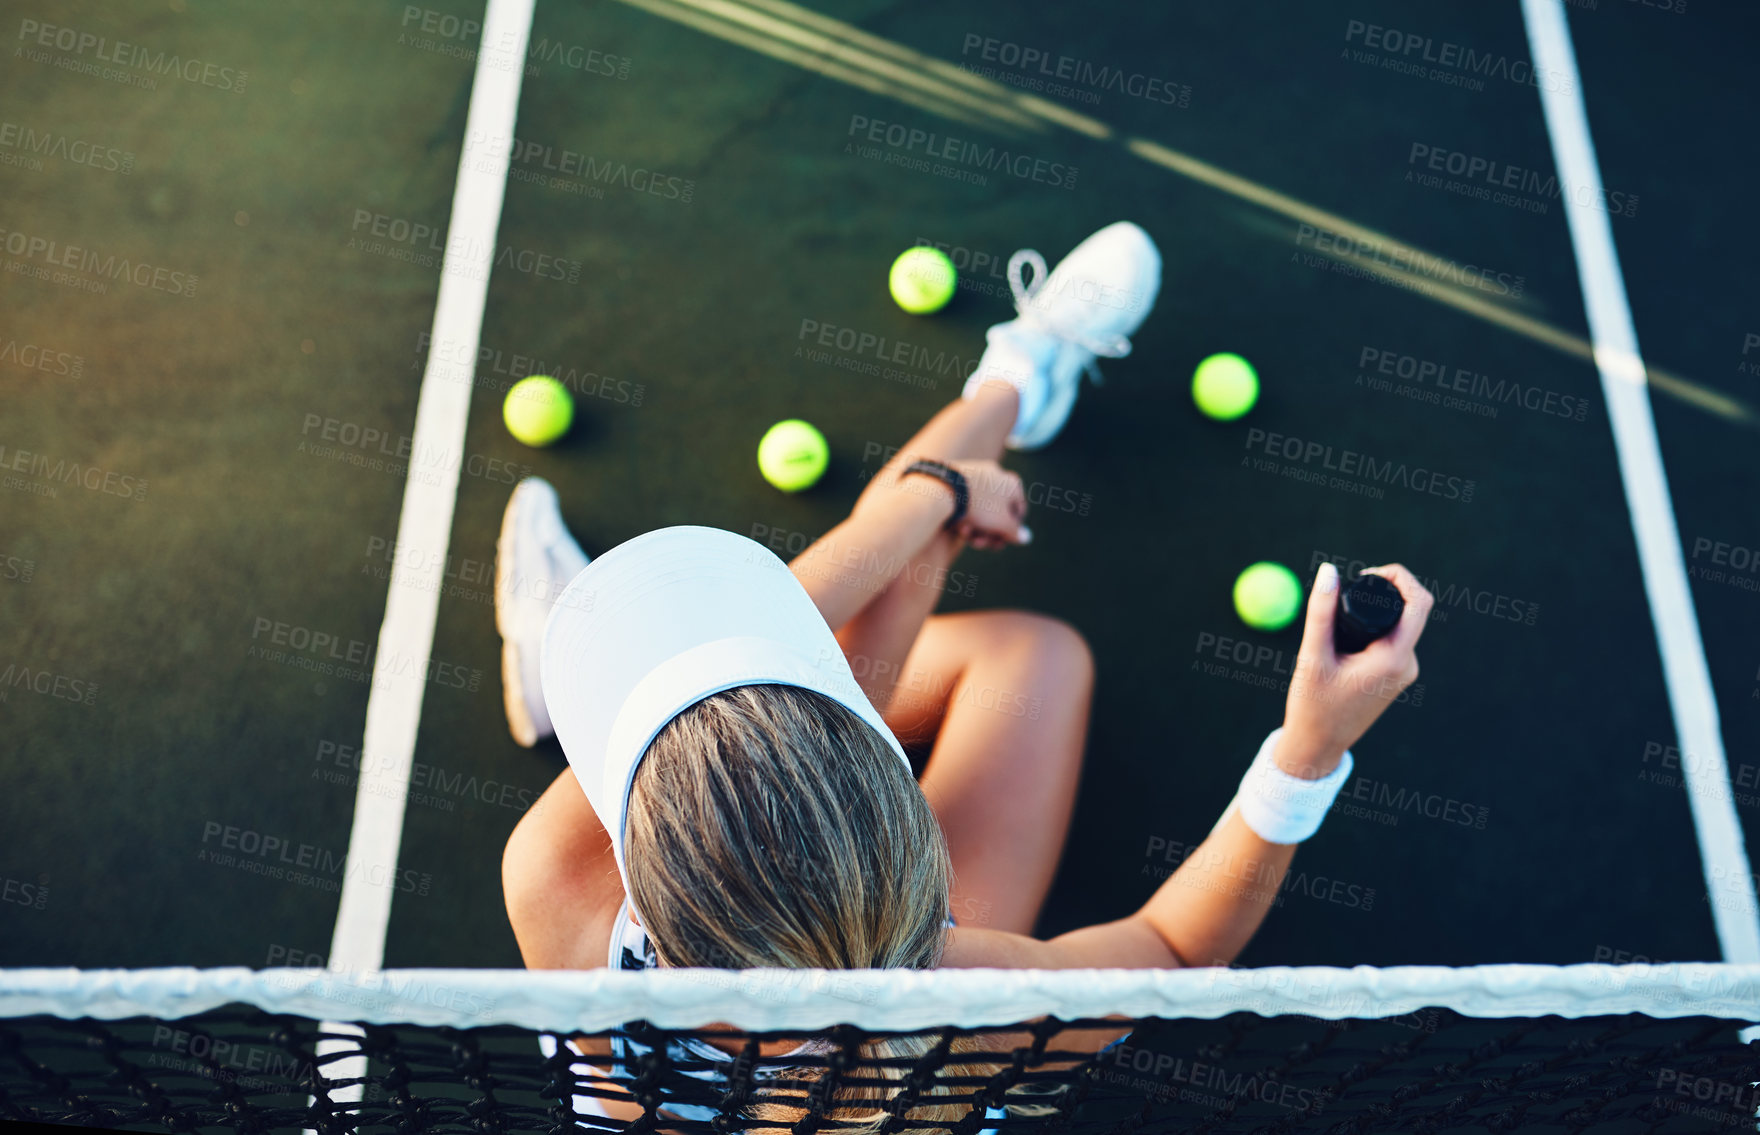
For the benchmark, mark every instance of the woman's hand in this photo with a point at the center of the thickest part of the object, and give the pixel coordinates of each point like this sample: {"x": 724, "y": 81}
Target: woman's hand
{"x": 997, "y": 504}
{"x": 995, "y": 499}
{"x": 1332, "y": 699}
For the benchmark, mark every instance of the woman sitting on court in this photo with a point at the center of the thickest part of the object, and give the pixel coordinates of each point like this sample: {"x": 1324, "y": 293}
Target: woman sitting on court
{"x": 736, "y": 799}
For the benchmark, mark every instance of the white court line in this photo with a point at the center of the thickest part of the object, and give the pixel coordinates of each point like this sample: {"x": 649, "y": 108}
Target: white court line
{"x": 1729, "y": 884}
{"x": 394, "y": 703}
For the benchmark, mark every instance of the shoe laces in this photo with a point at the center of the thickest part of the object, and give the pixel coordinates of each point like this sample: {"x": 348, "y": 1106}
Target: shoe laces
{"x": 1032, "y": 312}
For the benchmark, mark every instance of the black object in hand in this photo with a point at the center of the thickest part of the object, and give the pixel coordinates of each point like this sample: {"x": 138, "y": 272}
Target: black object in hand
{"x": 1368, "y": 608}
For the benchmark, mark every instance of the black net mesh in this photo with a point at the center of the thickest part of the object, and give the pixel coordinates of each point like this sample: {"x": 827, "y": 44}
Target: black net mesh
{"x": 243, "y": 1069}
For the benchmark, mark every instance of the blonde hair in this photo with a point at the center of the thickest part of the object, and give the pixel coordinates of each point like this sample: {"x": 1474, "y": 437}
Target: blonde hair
{"x": 770, "y": 826}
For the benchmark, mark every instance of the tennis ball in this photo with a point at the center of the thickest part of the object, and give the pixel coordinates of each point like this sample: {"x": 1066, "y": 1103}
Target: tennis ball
{"x": 538, "y": 410}
{"x": 1267, "y": 596}
{"x": 922, "y": 280}
{"x": 1225, "y": 386}
{"x": 793, "y": 455}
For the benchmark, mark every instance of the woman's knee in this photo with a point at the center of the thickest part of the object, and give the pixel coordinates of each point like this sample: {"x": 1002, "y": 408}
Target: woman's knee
{"x": 1062, "y": 650}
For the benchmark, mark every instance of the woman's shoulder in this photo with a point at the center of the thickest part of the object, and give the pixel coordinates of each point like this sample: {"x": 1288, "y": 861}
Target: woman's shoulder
{"x": 561, "y": 918}
{"x": 560, "y": 882}
{"x": 560, "y": 926}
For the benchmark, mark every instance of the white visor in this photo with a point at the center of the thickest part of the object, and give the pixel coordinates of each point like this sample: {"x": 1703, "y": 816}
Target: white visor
{"x": 659, "y": 623}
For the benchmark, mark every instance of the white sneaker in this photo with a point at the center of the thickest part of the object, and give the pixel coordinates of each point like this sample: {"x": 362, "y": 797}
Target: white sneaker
{"x": 535, "y": 558}
{"x": 1088, "y": 306}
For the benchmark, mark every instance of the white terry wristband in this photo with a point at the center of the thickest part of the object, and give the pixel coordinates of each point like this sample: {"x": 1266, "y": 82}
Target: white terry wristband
{"x": 1281, "y": 808}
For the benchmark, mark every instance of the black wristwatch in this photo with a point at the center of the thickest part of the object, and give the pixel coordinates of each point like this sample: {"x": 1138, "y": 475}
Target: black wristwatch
{"x": 949, "y": 476}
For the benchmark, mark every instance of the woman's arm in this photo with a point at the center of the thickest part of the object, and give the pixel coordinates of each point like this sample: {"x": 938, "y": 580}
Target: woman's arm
{"x": 1208, "y": 909}
{"x": 879, "y": 638}
{"x": 562, "y": 890}
{"x": 850, "y": 566}
{"x": 894, "y": 520}
{"x": 1203, "y": 915}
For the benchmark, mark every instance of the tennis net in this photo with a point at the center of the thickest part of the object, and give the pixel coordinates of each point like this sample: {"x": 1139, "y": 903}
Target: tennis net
{"x": 1433, "y": 1049}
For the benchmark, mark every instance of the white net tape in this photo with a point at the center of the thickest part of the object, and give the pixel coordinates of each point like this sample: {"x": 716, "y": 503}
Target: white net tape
{"x": 762, "y": 1000}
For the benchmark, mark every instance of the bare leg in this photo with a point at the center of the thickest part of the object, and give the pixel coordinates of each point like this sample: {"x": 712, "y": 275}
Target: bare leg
{"x": 1005, "y": 696}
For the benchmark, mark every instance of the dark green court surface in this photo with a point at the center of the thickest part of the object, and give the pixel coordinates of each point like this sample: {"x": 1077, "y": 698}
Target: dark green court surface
{"x": 205, "y": 455}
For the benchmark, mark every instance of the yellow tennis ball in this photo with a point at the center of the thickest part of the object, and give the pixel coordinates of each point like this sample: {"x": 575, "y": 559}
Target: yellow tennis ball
{"x": 922, "y": 280}
{"x": 538, "y": 410}
{"x": 793, "y": 455}
{"x": 1225, "y": 386}
{"x": 1267, "y": 596}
